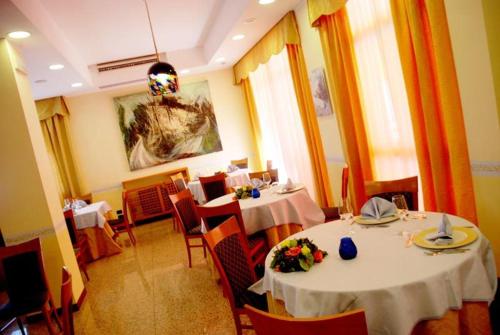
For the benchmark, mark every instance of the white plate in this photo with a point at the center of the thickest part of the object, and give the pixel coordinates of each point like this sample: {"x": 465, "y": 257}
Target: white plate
{"x": 296, "y": 188}
{"x": 461, "y": 236}
{"x": 362, "y": 220}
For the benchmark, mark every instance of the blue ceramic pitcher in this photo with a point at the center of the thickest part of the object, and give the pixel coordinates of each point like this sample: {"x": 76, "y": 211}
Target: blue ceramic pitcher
{"x": 255, "y": 193}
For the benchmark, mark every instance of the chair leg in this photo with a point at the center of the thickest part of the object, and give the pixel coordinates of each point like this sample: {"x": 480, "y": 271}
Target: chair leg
{"x": 20, "y": 325}
{"x": 204, "y": 247}
{"x": 188, "y": 247}
{"x": 46, "y": 311}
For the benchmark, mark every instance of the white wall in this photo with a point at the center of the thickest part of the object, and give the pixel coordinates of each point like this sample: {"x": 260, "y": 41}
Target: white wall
{"x": 100, "y": 152}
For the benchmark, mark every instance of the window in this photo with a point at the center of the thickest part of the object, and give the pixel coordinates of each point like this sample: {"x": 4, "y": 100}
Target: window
{"x": 385, "y": 104}
{"x": 283, "y": 139}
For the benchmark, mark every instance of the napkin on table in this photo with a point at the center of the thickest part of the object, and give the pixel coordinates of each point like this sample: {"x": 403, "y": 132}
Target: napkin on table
{"x": 289, "y": 185}
{"x": 377, "y": 208}
{"x": 444, "y": 234}
{"x": 232, "y": 168}
{"x": 256, "y": 182}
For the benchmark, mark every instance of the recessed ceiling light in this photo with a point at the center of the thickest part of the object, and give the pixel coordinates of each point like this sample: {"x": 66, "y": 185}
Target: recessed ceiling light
{"x": 250, "y": 20}
{"x": 56, "y": 67}
{"x": 265, "y": 2}
{"x": 185, "y": 71}
{"x": 238, "y": 37}
{"x": 220, "y": 60}
{"x": 19, "y": 34}
{"x": 40, "y": 81}
{"x": 76, "y": 85}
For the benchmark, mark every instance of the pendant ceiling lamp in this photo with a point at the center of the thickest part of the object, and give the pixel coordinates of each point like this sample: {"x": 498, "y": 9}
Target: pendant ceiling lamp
{"x": 162, "y": 77}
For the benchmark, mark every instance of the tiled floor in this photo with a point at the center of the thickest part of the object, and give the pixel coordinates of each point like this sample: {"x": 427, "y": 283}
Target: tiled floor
{"x": 149, "y": 289}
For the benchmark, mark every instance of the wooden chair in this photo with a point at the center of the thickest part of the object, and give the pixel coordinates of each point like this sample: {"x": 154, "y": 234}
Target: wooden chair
{"x": 348, "y": 323}
{"x": 345, "y": 181}
{"x": 27, "y": 285}
{"x": 67, "y": 303}
{"x": 386, "y": 189}
{"x": 332, "y": 213}
{"x": 79, "y": 241}
{"x": 179, "y": 182}
{"x": 241, "y": 163}
{"x": 190, "y": 221}
{"x": 258, "y": 174}
{"x": 214, "y": 186}
{"x": 122, "y": 223}
{"x": 214, "y": 216}
{"x": 231, "y": 256}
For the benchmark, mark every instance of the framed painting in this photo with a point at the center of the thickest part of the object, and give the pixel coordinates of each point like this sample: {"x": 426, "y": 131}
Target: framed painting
{"x": 320, "y": 93}
{"x": 161, "y": 130}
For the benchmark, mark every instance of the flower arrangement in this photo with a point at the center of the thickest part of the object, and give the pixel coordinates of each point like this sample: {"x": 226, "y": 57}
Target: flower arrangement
{"x": 296, "y": 255}
{"x": 244, "y": 192}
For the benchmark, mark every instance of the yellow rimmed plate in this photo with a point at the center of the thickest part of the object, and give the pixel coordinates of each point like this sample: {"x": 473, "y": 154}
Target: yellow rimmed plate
{"x": 362, "y": 220}
{"x": 461, "y": 236}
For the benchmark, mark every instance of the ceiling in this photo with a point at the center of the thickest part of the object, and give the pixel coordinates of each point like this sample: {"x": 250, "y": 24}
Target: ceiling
{"x": 194, "y": 35}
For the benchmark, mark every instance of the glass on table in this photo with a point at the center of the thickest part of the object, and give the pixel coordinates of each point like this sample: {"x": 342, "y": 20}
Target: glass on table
{"x": 400, "y": 202}
{"x": 345, "y": 209}
{"x": 266, "y": 178}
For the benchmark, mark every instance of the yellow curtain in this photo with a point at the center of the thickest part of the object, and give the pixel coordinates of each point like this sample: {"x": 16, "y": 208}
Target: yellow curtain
{"x": 318, "y": 8}
{"x": 431, "y": 83}
{"x": 254, "y": 122}
{"x": 284, "y": 32}
{"x": 52, "y": 114}
{"x": 341, "y": 71}
{"x": 310, "y": 124}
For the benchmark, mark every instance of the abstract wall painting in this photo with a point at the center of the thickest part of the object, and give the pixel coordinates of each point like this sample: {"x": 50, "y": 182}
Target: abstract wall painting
{"x": 320, "y": 93}
{"x": 178, "y": 126}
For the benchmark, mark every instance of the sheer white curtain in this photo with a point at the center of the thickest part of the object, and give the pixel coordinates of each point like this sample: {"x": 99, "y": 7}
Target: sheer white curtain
{"x": 386, "y": 111}
{"x": 282, "y": 132}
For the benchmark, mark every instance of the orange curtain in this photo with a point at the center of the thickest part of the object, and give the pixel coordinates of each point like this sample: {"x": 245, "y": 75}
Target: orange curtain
{"x": 341, "y": 70}
{"x": 431, "y": 84}
{"x": 310, "y": 124}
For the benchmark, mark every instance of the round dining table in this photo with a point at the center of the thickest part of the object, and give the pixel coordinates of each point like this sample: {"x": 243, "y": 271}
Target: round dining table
{"x": 396, "y": 282}
{"x": 274, "y": 210}
{"x": 233, "y": 180}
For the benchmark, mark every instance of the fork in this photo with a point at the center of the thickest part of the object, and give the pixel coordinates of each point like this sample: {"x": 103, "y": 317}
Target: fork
{"x": 446, "y": 251}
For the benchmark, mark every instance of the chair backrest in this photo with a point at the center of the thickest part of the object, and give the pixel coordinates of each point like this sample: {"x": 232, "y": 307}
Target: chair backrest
{"x": 24, "y": 270}
{"x": 345, "y": 181}
{"x": 216, "y": 215}
{"x": 178, "y": 180}
{"x": 386, "y": 189}
{"x": 185, "y": 209}
{"x": 241, "y": 163}
{"x": 67, "y": 302}
{"x": 214, "y": 186}
{"x": 71, "y": 225}
{"x": 348, "y": 323}
{"x": 258, "y": 174}
{"x": 232, "y": 259}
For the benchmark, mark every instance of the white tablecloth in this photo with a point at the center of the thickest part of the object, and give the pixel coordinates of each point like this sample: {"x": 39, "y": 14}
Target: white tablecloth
{"x": 396, "y": 285}
{"x": 91, "y": 215}
{"x": 234, "y": 179}
{"x": 273, "y": 209}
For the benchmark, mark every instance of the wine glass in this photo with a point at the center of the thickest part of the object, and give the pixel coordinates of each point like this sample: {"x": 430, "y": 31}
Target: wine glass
{"x": 266, "y": 178}
{"x": 345, "y": 209}
{"x": 400, "y": 202}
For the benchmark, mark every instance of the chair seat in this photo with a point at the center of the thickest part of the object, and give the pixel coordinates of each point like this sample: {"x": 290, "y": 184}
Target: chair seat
{"x": 195, "y": 231}
{"x": 23, "y": 305}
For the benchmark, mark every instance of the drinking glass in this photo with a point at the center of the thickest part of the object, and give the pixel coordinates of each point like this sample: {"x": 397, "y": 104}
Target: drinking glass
{"x": 400, "y": 202}
{"x": 345, "y": 209}
{"x": 266, "y": 178}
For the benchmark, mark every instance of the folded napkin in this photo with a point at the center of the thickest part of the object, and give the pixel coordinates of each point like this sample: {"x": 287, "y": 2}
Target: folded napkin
{"x": 377, "y": 208}
{"x": 232, "y": 168}
{"x": 77, "y": 204}
{"x": 289, "y": 185}
{"x": 444, "y": 234}
{"x": 256, "y": 182}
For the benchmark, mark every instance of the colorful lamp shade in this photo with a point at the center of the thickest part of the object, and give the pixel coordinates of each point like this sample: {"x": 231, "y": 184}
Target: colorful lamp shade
{"x": 162, "y": 79}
